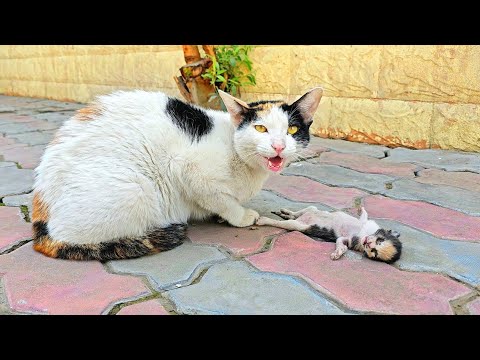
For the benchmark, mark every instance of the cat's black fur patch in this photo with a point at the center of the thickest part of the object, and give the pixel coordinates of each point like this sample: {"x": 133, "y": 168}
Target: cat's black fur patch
{"x": 248, "y": 116}
{"x": 40, "y": 229}
{"x": 322, "y": 233}
{"x": 295, "y": 118}
{"x": 355, "y": 242}
{"x": 261, "y": 102}
{"x": 193, "y": 121}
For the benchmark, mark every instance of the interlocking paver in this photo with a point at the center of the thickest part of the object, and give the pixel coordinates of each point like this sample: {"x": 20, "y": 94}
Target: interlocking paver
{"x": 342, "y": 177}
{"x": 234, "y": 287}
{"x": 15, "y": 181}
{"x": 166, "y": 269}
{"x": 441, "y": 222}
{"x": 35, "y": 283}
{"x": 13, "y": 228}
{"x": 349, "y": 147}
{"x": 299, "y": 188}
{"x": 150, "y": 307}
{"x": 366, "y": 164}
{"x": 362, "y": 285}
{"x": 464, "y": 180}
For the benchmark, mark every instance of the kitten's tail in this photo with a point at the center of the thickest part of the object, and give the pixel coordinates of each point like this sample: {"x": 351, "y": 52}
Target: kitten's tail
{"x": 154, "y": 241}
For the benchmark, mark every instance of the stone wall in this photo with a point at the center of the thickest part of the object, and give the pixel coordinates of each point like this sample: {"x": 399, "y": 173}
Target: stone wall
{"x": 413, "y": 96}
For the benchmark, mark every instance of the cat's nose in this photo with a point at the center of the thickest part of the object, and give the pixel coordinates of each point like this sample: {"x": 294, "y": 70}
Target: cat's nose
{"x": 278, "y": 147}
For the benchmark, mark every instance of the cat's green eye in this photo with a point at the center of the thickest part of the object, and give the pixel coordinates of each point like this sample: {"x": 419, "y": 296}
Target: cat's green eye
{"x": 260, "y": 128}
{"x": 292, "y": 130}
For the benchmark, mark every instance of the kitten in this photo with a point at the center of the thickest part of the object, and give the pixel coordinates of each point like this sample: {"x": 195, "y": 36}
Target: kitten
{"x": 124, "y": 175}
{"x": 347, "y": 231}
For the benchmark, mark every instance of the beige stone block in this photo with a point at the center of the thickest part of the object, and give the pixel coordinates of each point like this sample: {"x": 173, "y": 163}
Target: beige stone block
{"x": 272, "y": 69}
{"x": 251, "y": 97}
{"x": 437, "y": 73}
{"x": 456, "y": 126}
{"x": 342, "y": 70}
{"x": 386, "y": 122}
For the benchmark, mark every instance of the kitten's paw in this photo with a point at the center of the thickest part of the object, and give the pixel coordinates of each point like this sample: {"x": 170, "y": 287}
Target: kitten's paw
{"x": 285, "y": 214}
{"x": 335, "y": 256}
{"x": 249, "y": 218}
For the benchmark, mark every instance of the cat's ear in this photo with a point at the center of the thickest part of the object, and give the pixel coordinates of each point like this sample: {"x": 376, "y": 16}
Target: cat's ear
{"x": 363, "y": 216}
{"x": 308, "y": 104}
{"x": 235, "y": 107}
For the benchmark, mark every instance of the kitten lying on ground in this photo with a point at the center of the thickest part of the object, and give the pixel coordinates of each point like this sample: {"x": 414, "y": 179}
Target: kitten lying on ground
{"x": 343, "y": 229}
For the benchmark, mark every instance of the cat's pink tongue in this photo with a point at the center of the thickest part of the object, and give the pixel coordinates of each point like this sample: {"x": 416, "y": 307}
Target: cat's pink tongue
{"x": 275, "y": 163}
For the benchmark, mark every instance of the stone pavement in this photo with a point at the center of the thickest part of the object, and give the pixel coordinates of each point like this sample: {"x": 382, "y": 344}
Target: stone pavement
{"x": 431, "y": 197}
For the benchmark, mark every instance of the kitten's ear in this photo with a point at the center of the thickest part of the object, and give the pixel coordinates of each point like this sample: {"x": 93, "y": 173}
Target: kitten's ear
{"x": 308, "y": 103}
{"x": 235, "y": 107}
{"x": 394, "y": 233}
{"x": 363, "y": 216}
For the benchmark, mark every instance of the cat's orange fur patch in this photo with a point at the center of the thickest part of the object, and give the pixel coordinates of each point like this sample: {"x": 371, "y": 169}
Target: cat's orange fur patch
{"x": 262, "y": 109}
{"x": 40, "y": 208}
{"x": 47, "y": 246}
{"x": 88, "y": 113}
{"x": 386, "y": 251}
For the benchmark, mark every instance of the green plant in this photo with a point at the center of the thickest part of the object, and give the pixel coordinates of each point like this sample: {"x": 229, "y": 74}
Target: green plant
{"x": 231, "y": 68}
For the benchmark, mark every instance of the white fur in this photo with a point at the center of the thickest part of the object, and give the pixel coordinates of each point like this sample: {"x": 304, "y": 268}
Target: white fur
{"x": 131, "y": 169}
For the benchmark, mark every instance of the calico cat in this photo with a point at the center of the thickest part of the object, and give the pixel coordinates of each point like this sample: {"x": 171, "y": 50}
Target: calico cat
{"x": 123, "y": 176}
{"x": 346, "y": 231}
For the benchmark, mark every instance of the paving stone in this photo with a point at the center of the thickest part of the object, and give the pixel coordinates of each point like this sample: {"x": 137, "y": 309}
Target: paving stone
{"x": 234, "y": 287}
{"x": 440, "y": 159}
{"x": 19, "y": 200}
{"x": 4, "y": 164}
{"x": 150, "y": 307}
{"x": 440, "y": 222}
{"x": 15, "y": 181}
{"x": 266, "y": 202}
{"x": 450, "y": 197}
{"x": 366, "y": 164}
{"x": 299, "y": 188}
{"x": 239, "y": 241}
{"x": 424, "y": 252}
{"x": 35, "y": 138}
{"x": 463, "y": 180}
{"x": 13, "y": 228}
{"x": 6, "y": 119}
{"x": 35, "y": 283}
{"x": 6, "y": 109}
{"x": 13, "y": 129}
{"x": 362, "y": 285}
{"x": 350, "y": 147}
{"x": 339, "y": 176}
{"x": 4, "y": 308}
{"x": 6, "y": 141}
{"x": 55, "y": 117}
{"x": 27, "y": 156}
{"x": 474, "y": 307}
{"x": 165, "y": 269}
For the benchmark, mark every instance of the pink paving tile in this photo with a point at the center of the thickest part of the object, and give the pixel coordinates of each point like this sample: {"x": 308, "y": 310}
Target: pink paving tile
{"x": 240, "y": 241}
{"x": 362, "y": 285}
{"x": 28, "y": 157}
{"x": 35, "y": 283}
{"x": 300, "y": 188}
{"x": 474, "y": 307}
{"x": 366, "y": 164}
{"x": 16, "y": 118}
{"x": 151, "y": 307}
{"x": 434, "y": 219}
{"x": 13, "y": 227}
{"x": 464, "y": 180}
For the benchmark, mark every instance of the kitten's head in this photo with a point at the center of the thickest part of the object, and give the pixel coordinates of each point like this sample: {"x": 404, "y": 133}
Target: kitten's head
{"x": 383, "y": 245}
{"x": 270, "y": 134}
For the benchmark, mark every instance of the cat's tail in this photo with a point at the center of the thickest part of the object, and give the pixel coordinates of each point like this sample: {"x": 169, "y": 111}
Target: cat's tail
{"x": 154, "y": 241}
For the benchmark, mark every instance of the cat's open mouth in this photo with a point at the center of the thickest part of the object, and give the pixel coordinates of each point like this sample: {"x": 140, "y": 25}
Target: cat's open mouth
{"x": 275, "y": 163}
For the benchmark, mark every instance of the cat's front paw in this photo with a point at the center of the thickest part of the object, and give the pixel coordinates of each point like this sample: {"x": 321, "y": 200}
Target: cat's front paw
{"x": 249, "y": 218}
{"x": 262, "y": 220}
